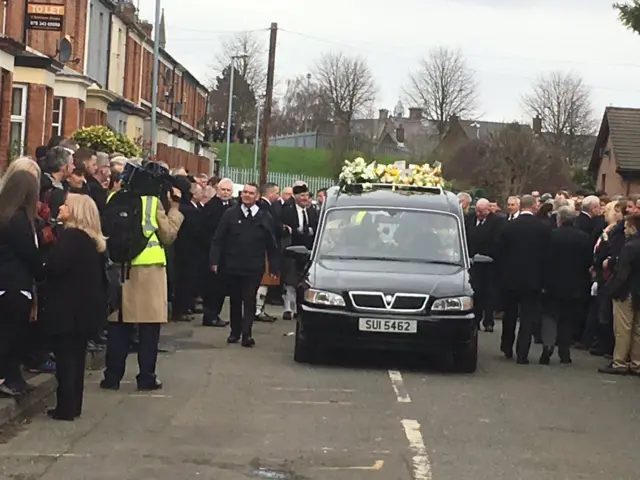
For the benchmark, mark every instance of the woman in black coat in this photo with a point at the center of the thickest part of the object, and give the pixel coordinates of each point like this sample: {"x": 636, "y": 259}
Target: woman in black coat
{"x": 76, "y": 302}
{"x": 20, "y": 269}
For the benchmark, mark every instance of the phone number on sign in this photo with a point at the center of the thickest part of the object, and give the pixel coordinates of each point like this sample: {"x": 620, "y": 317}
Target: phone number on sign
{"x": 41, "y": 23}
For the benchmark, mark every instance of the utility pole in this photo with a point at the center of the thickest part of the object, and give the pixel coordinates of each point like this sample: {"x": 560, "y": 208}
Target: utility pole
{"x": 266, "y": 115}
{"x": 154, "y": 87}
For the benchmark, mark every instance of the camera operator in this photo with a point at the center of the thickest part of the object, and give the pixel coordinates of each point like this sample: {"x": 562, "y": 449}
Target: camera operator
{"x": 144, "y": 288}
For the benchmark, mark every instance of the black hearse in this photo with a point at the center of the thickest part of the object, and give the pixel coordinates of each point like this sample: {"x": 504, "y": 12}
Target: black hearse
{"x": 389, "y": 270}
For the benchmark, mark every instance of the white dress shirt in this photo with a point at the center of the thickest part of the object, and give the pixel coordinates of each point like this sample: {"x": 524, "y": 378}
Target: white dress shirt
{"x": 254, "y": 210}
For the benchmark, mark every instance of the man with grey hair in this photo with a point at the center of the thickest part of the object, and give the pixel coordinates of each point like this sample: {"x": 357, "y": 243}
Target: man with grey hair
{"x": 465, "y": 201}
{"x": 214, "y": 294}
{"x": 482, "y": 239}
{"x": 522, "y": 251}
{"x": 567, "y": 263}
{"x": 590, "y": 220}
{"x": 513, "y": 208}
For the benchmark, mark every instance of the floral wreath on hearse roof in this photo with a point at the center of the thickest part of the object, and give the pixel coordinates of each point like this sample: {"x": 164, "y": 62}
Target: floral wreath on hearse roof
{"x": 362, "y": 175}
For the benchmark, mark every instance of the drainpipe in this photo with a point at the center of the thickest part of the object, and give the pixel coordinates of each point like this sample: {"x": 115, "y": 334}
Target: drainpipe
{"x": 5, "y": 5}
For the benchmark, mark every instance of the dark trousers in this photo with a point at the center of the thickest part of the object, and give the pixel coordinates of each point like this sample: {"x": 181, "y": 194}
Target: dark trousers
{"x": 564, "y": 314}
{"x": 580, "y": 320}
{"x": 118, "y": 343}
{"x": 527, "y": 306}
{"x": 484, "y": 297}
{"x": 15, "y": 311}
{"x": 214, "y": 296}
{"x": 242, "y": 309}
{"x": 185, "y": 288}
{"x": 70, "y": 351}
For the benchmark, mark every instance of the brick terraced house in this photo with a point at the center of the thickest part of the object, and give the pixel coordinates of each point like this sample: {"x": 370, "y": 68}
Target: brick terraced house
{"x": 106, "y": 81}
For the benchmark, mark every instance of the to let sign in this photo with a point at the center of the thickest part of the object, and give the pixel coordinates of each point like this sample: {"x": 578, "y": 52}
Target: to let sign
{"x": 45, "y": 16}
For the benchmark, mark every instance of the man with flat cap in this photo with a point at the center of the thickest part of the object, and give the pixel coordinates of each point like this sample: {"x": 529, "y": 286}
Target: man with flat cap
{"x": 301, "y": 221}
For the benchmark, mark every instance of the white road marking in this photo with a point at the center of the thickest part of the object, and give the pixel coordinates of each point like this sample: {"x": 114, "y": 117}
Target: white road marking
{"x": 398, "y": 386}
{"x": 146, "y": 395}
{"x": 376, "y": 466}
{"x": 421, "y": 465}
{"x": 49, "y": 455}
{"x": 301, "y": 402}
{"x": 293, "y": 389}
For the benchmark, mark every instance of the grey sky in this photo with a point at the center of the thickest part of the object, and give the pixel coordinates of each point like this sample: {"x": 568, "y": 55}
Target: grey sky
{"x": 507, "y": 43}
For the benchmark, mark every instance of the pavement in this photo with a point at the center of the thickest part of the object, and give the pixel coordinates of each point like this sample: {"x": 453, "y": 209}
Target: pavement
{"x": 230, "y": 413}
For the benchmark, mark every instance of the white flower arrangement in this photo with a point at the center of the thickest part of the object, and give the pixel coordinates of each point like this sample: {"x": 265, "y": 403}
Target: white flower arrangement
{"x": 359, "y": 172}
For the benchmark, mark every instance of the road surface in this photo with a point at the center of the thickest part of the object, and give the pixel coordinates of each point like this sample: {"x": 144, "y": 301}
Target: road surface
{"x": 229, "y": 413}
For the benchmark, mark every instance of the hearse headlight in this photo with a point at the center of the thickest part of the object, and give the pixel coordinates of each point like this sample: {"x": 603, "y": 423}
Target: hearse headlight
{"x": 453, "y": 304}
{"x": 320, "y": 297}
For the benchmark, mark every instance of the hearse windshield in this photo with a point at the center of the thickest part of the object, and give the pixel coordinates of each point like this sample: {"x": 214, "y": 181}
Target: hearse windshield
{"x": 392, "y": 235}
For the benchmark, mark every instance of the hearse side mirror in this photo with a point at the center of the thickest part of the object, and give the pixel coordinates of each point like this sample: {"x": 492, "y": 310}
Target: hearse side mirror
{"x": 477, "y": 258}
{"x": 300, "y": 250}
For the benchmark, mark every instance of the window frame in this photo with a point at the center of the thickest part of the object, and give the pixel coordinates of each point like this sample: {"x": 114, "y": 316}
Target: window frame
{"x": 57, "y": 126}
{"x": 22, "y": 118}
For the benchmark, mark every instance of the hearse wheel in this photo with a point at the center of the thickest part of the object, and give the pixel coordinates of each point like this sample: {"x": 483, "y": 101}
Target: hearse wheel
{"x": 465, "y": 359}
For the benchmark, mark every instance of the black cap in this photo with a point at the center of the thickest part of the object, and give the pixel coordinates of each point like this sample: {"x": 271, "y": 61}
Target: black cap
{"x": 298, "y": 189}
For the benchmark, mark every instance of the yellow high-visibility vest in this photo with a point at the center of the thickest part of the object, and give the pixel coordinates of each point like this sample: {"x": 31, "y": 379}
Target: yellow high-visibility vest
{"x": 110, "y": 195}
{"x": 360, "y": 217}
{"x": 154, "y": 253}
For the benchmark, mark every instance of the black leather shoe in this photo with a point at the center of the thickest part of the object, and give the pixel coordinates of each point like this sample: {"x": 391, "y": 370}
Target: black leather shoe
{"x": 233, "y": 339}
{"x": 107, "y": 385}
{"x": 545, "y": 358}
{"x": 522, "y": 361}
{"x": 152, "y": 387}
{"x": 287, "y": 316}
{"x": 248, "y": 342}
{"x": 488, "y": 328}
{"x": 53, "y": 414}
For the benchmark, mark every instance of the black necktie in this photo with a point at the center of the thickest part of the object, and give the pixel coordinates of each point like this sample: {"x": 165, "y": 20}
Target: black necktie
{"x": 510, "y": 217}
{"x": 305, "y": 222}
{"x": 249, "y": 216}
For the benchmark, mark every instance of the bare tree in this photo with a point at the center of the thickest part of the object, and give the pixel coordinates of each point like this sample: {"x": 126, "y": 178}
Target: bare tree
{"x": 252, "y": 67}
{"x": 562, "y": 101}
{"x": 302, "y": 107}
{"x": 346, "y": 84}
{"x": 511, "y": 161}
{"x": 443, "y": 86}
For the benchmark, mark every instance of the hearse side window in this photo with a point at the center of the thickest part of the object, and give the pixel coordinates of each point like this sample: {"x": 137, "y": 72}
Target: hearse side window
{"x": 394, "y": 235}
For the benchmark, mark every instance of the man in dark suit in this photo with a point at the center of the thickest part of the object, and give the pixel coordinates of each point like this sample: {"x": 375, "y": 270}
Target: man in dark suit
{"x": 86, "y": 159}
{"x": 566, "y": 280}
{"x": 269, "y": 202}
{"x": 301, "y": 222}
{"x": 241, "y": 246}
{"x": 189, "y": 256}
{"x": 590, "y": 219}
{"x": 212, "y": 213}
{"x": 520, "y": 253}
{"x": 482, "y": 237}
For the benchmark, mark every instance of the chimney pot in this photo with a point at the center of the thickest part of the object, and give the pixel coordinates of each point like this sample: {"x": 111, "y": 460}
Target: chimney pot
{"x": 146, "y": 27}
{"x": 400, "y": 134}
{"x": 415, "y": 113}
{"x": 537, "y": 125}
{"x": 383, "y": 114}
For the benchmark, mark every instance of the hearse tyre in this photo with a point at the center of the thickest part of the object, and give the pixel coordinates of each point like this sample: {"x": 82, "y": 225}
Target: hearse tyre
{"x": 465, "y": 359}
{"x": 303, "y": 352}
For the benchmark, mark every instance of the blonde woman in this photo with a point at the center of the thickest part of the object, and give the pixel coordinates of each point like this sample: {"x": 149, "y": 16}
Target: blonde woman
{"x": 75, "y": 303}
{"x": 22, "y": 163}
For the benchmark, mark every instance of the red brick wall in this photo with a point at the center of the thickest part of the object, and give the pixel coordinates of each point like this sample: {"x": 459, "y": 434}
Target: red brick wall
{"x": 176, "y": 157}
{"x": 5, "y": 114}
{"x": 38, "y": 116}
{"x": 45, "y": 42}
{"x": 70, "y": 116}
{"x": 132, "y": 70}
{"x": 94, "y": 117}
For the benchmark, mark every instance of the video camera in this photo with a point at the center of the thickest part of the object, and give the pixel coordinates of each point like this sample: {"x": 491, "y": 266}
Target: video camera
{"x": 148, "y": 179}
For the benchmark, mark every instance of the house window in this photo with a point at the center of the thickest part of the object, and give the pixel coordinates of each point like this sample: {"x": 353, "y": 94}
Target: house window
{"x": 56, "y": 123}
{"x": 18, "y": 119}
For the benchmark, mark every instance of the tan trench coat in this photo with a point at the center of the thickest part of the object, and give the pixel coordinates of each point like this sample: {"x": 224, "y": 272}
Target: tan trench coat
{"x": 144, "y": 293}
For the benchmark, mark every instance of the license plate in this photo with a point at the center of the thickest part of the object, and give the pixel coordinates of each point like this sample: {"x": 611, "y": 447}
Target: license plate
{"x": 390, "y": 326}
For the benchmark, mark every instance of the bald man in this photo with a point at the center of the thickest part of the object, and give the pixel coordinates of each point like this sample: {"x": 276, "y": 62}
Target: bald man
{"x": 212, "y": 212}
{"x": 482, "y": 236}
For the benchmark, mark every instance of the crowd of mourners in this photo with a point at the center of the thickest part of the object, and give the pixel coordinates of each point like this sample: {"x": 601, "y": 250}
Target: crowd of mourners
{"x": 566, "y": 267}
{"x": 56, "y": 293}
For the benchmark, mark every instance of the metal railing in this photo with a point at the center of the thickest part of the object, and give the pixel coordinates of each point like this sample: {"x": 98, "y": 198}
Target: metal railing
{"x": 245, "y": 175}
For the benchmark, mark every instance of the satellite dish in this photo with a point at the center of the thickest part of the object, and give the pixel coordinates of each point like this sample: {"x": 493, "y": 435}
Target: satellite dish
{"x": 64, "y": 50}
{"x": 167, "y": 75}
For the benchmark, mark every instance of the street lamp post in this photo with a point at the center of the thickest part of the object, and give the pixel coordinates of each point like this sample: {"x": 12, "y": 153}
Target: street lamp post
{"x": 231, "y": 78}
{"x": 154, "y": 86}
